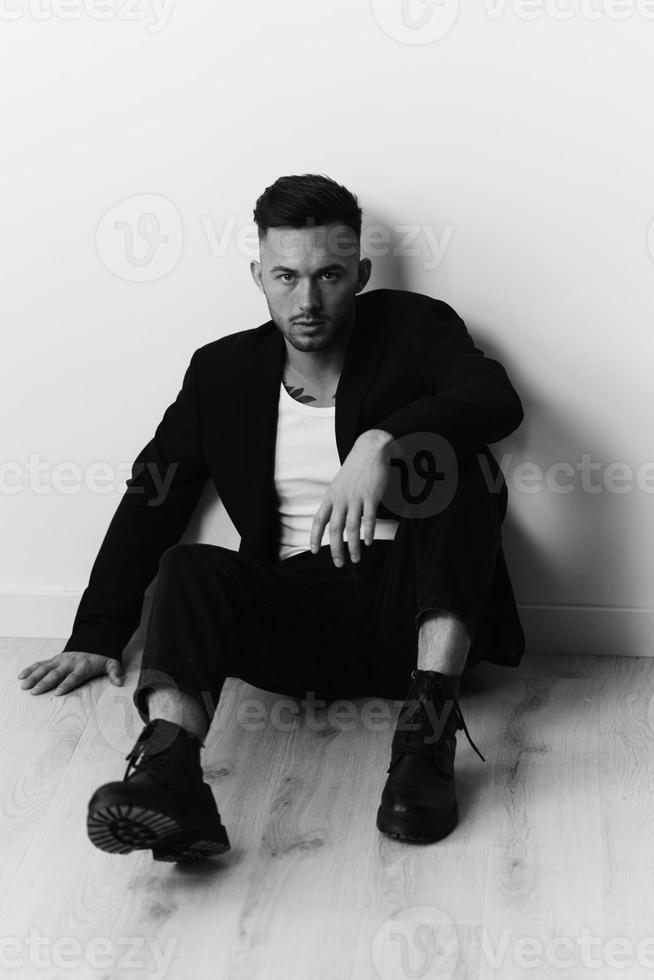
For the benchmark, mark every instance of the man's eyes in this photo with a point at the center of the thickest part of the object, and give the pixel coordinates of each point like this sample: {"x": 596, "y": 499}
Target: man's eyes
{"x": 289, "y": 277}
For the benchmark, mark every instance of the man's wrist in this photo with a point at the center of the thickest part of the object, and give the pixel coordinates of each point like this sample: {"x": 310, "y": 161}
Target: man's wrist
{"x": 377, "y": 438}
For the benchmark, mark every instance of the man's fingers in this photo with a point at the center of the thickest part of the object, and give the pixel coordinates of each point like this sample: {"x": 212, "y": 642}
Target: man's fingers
{"x": 336, "y": 526}
{"x": 318, "y": 526}
{"x": 369, "y": 520}
{"x": 36, "y": 673}
{"x": 115, "y": 672}
{"x": 51, "y": 679}
{"x": 74, "y": 679}
{"x": 353, "y": 531}
{"x": 68, "y": 671}
{"x": 28, "y": 670}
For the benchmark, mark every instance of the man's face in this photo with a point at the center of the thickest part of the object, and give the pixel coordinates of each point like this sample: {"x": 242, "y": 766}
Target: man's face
{"x": 310, "y": 277}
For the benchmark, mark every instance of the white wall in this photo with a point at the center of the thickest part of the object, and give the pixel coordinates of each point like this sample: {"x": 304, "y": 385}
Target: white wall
{"x": 521, "y": 139}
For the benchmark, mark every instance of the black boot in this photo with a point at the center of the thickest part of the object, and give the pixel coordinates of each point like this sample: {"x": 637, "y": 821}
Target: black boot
{"x": 163, "y": 803}
{"x": 419, "y": 799}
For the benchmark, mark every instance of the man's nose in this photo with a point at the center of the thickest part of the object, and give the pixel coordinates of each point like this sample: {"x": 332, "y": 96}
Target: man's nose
{"x": 309, "y": 298}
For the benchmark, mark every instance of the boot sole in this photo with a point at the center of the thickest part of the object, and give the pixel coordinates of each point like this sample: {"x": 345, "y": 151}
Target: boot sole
{"x": 413, "y": 832}
{"x": 121, "y": 828}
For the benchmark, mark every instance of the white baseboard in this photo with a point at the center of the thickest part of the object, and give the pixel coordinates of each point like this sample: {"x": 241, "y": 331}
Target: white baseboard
{"x": 612, "y": 630}
{"x": 622, "y": 631}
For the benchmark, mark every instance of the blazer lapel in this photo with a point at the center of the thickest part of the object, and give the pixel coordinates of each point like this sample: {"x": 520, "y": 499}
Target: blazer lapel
{"x": 259, "y": 396}
{"x": 361, "y": 359}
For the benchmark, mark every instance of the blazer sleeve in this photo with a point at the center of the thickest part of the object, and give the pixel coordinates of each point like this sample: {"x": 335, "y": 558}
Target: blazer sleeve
{"x": 472, "y": 401}
{"x": 167, "y": 478}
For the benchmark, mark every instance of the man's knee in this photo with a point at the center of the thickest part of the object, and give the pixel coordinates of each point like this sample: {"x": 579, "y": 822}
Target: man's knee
{"x": 189, "y": 557}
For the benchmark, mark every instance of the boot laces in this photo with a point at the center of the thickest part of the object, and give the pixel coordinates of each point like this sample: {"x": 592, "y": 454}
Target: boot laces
{"x": 421, "y": 715}
{"x": 157, "y": 760}
{"x": 461, "y": 726}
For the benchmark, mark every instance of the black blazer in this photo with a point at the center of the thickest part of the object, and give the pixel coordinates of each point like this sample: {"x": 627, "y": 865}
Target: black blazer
{"x": 410, "y": 366}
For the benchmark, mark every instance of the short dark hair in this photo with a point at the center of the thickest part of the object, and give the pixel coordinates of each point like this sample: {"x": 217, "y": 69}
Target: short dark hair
{"x": 302, "y": 200}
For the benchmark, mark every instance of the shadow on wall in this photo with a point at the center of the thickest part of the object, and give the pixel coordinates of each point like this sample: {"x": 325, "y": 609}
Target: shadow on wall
{"x": 573, "y": 556}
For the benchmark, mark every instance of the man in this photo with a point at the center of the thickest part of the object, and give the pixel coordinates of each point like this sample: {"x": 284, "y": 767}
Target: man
{"x": 353, "y": 576}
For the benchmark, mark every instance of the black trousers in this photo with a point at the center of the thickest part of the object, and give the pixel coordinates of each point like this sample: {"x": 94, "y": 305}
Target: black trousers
{"x": 303, "y": 625}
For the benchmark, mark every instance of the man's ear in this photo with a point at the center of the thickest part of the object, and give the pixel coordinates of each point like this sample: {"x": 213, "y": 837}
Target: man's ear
{"x": 363, "y": 274}
{"x": 255, "y": 270}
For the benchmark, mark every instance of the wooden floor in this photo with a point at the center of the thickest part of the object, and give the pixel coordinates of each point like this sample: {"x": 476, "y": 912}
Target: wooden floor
{"x": 555, "y": 840}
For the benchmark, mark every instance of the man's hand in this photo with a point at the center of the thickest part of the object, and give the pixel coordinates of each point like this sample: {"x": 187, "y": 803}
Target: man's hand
{"x": 67, "y": 671}
{"x": 353, "y": 496}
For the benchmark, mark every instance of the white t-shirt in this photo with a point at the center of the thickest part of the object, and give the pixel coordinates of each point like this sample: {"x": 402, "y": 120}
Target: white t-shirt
{"x": 306, "y": 462}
